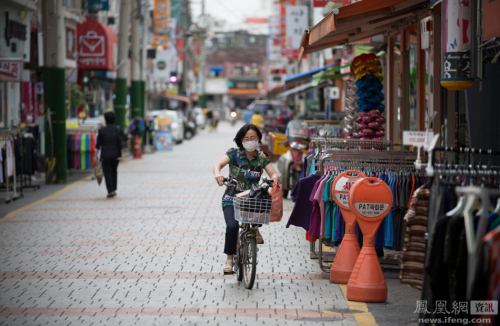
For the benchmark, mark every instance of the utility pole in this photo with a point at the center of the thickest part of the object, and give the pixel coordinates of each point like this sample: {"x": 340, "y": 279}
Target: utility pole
{"x": 136, "y": 96}
{"x": 145, "y": 24}
{"x": 120, "y": 102}
{"x": 203, "y": 96}
{"x": 54, "y": 82}
{"x": 185, "y": 9}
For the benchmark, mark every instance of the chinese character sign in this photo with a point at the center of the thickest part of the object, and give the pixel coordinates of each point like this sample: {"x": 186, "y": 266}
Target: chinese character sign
{"x": 296, "y": 23}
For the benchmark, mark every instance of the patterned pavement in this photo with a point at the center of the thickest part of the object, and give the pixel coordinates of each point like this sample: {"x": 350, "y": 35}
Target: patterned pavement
{"x": 153, "y": 255}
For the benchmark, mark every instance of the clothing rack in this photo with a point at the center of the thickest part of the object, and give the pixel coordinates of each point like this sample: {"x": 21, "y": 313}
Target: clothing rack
{"x": 9, "y": 135}
{"x": 358, "y": 153}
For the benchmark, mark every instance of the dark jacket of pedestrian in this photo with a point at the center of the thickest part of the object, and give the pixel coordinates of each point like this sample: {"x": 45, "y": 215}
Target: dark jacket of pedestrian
{"x": 109, "y": 141}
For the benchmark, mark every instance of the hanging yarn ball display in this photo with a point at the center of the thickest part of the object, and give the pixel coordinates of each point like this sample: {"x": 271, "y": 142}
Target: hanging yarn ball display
{"x": 349, "y": 124}
{"x": 367, "y": 72}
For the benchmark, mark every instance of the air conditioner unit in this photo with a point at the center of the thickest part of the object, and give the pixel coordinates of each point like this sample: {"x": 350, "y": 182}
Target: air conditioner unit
{"x": 425, "y": 33}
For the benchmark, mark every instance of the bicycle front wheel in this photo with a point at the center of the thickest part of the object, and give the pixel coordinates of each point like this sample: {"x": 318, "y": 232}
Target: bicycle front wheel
{"x": 249, "y": 263}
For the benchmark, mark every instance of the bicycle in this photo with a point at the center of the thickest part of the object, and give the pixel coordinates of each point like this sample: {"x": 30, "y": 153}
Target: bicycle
{"x": 252, "y": 214}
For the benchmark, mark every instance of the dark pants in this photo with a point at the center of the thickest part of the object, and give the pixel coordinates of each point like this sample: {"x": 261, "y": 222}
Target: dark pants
{"x": 110, "y": 170}
{"x": 232, "y": 228}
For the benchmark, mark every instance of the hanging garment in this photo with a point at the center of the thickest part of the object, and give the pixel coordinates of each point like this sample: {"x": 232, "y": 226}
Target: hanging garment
{"x": 1, "y": 165}
{"x": 9, "y": 166}
{"x": 412, "y": 266}
{"x": 315, "y": 223}
{"x": 322, "y": 205}
{"x": 328, "y": 207}
{"x": 77, "y": 151}
{"x": 87, "y": 152}
{"x": 301, "y": 213}
{"x": 83, "y": 150}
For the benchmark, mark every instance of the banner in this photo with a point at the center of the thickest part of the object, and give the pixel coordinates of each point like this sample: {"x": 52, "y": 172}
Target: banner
{"x": 160, "y": 23}
{"x": 282, "y": 25}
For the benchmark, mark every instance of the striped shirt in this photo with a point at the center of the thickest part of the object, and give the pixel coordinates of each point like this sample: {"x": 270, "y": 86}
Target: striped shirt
{"x": 412, "y": 267}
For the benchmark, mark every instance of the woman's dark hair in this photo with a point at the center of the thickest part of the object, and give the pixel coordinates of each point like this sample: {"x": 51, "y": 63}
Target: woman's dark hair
{"x": 109, "y": 117}
{"x": 243, "y": 131}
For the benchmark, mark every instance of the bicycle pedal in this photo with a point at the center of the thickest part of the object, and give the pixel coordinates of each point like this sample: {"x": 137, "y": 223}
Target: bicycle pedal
{"x": 229, "y": 273}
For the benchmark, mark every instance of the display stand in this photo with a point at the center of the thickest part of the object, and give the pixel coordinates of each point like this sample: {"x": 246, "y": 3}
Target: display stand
{"x": 349, "y": 248}
{"x": 370, "y": 200}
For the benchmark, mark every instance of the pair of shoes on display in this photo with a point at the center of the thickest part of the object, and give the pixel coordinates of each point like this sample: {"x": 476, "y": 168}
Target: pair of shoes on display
{"x": 111, "y": 194}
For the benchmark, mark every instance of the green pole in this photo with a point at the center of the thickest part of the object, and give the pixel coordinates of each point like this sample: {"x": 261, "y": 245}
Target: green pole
{"x": 143, "y": 99}
{"x": 120, "y": 102}
{"x": 54, "y": 82}
{"x": 136, "y": 99}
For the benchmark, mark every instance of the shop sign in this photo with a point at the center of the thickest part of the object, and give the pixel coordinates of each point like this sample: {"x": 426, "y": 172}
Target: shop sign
{"x": 312, "y": 105}
{"x": 98, "y": 5}
{"x": 244, "y": 84}
{"x": 70, "y": 43}
{"x": 14, "y": 29}
{"x": 161, "y": 72}
{"x": 97, "y": 46}
{"x": 282, "y": 24}
{"x": 163, "y": 135}
{"x": 296, "y": 23}
{"x": 322, "y": 3}
{"x": 15, "y": 67}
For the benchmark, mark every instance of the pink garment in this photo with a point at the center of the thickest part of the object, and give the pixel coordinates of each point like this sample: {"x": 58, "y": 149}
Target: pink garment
{"x": 315, "y": 224}
{"x": 322, "y": 209}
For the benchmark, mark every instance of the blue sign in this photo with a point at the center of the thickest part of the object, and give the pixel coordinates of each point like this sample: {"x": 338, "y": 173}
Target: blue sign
{"x": 98, "y": 5}
{"x": 163, "y": 141}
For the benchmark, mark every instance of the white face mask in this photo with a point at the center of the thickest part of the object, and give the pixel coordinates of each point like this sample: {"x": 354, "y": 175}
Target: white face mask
{"x": 251, "y": 145}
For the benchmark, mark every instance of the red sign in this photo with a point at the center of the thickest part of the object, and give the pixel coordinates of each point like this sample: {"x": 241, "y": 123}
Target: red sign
{"x": 256, "y": 20}
{"x": 97, "y": 46}
{"x": 12, "y": 67}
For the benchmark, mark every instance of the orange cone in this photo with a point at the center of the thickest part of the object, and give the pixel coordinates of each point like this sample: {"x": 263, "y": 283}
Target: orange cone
{"x": 348, "y": 252}
{"x": 370, "y": 200}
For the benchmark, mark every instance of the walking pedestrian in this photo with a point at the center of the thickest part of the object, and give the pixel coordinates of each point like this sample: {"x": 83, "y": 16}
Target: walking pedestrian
{"x": 210, "y": 116}
{"x": 109, "y": 142}
{"x": 246, "y": 165}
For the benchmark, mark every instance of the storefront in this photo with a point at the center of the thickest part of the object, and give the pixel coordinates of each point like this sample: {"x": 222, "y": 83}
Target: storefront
{"x": 403, "y": 61}
{"x": 16, "y": 85}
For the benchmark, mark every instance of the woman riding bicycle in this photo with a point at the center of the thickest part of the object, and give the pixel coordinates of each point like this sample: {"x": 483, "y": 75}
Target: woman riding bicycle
{"x": 246, "y": 164}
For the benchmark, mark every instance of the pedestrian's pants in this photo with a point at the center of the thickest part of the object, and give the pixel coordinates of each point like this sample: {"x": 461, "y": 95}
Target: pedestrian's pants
{"x": 232, "y": 228}
{"x": 110, "y": 170}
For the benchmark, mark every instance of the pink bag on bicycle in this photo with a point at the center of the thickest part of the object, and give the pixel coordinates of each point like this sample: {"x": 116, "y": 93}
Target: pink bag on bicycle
{"x": 277, "y": 196}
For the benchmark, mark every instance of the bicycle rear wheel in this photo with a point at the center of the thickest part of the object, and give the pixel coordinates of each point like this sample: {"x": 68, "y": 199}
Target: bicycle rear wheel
{"x": 249, "y": 263}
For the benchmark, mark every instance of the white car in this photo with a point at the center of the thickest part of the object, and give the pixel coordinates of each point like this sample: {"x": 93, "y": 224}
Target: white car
{"x": 176, "y": 124}
{"x": 199, "y": 118}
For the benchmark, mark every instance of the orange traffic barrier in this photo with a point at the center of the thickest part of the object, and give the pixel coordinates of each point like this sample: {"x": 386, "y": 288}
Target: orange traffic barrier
{"x": 370, "y": 200}
{"x": 348, "y": 252}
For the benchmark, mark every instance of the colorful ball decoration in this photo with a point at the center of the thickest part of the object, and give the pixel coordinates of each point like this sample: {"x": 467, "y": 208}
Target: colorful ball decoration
{"x": 367, "y": 71}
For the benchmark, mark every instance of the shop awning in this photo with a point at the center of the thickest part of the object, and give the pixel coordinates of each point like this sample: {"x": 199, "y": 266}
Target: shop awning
{"x": 358, "y": 21}
{"x": 305, "y": 76}
{"x": 179, "y": 98}
{"x": 297, "y": 89}
{"x": 96, "y": 44}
